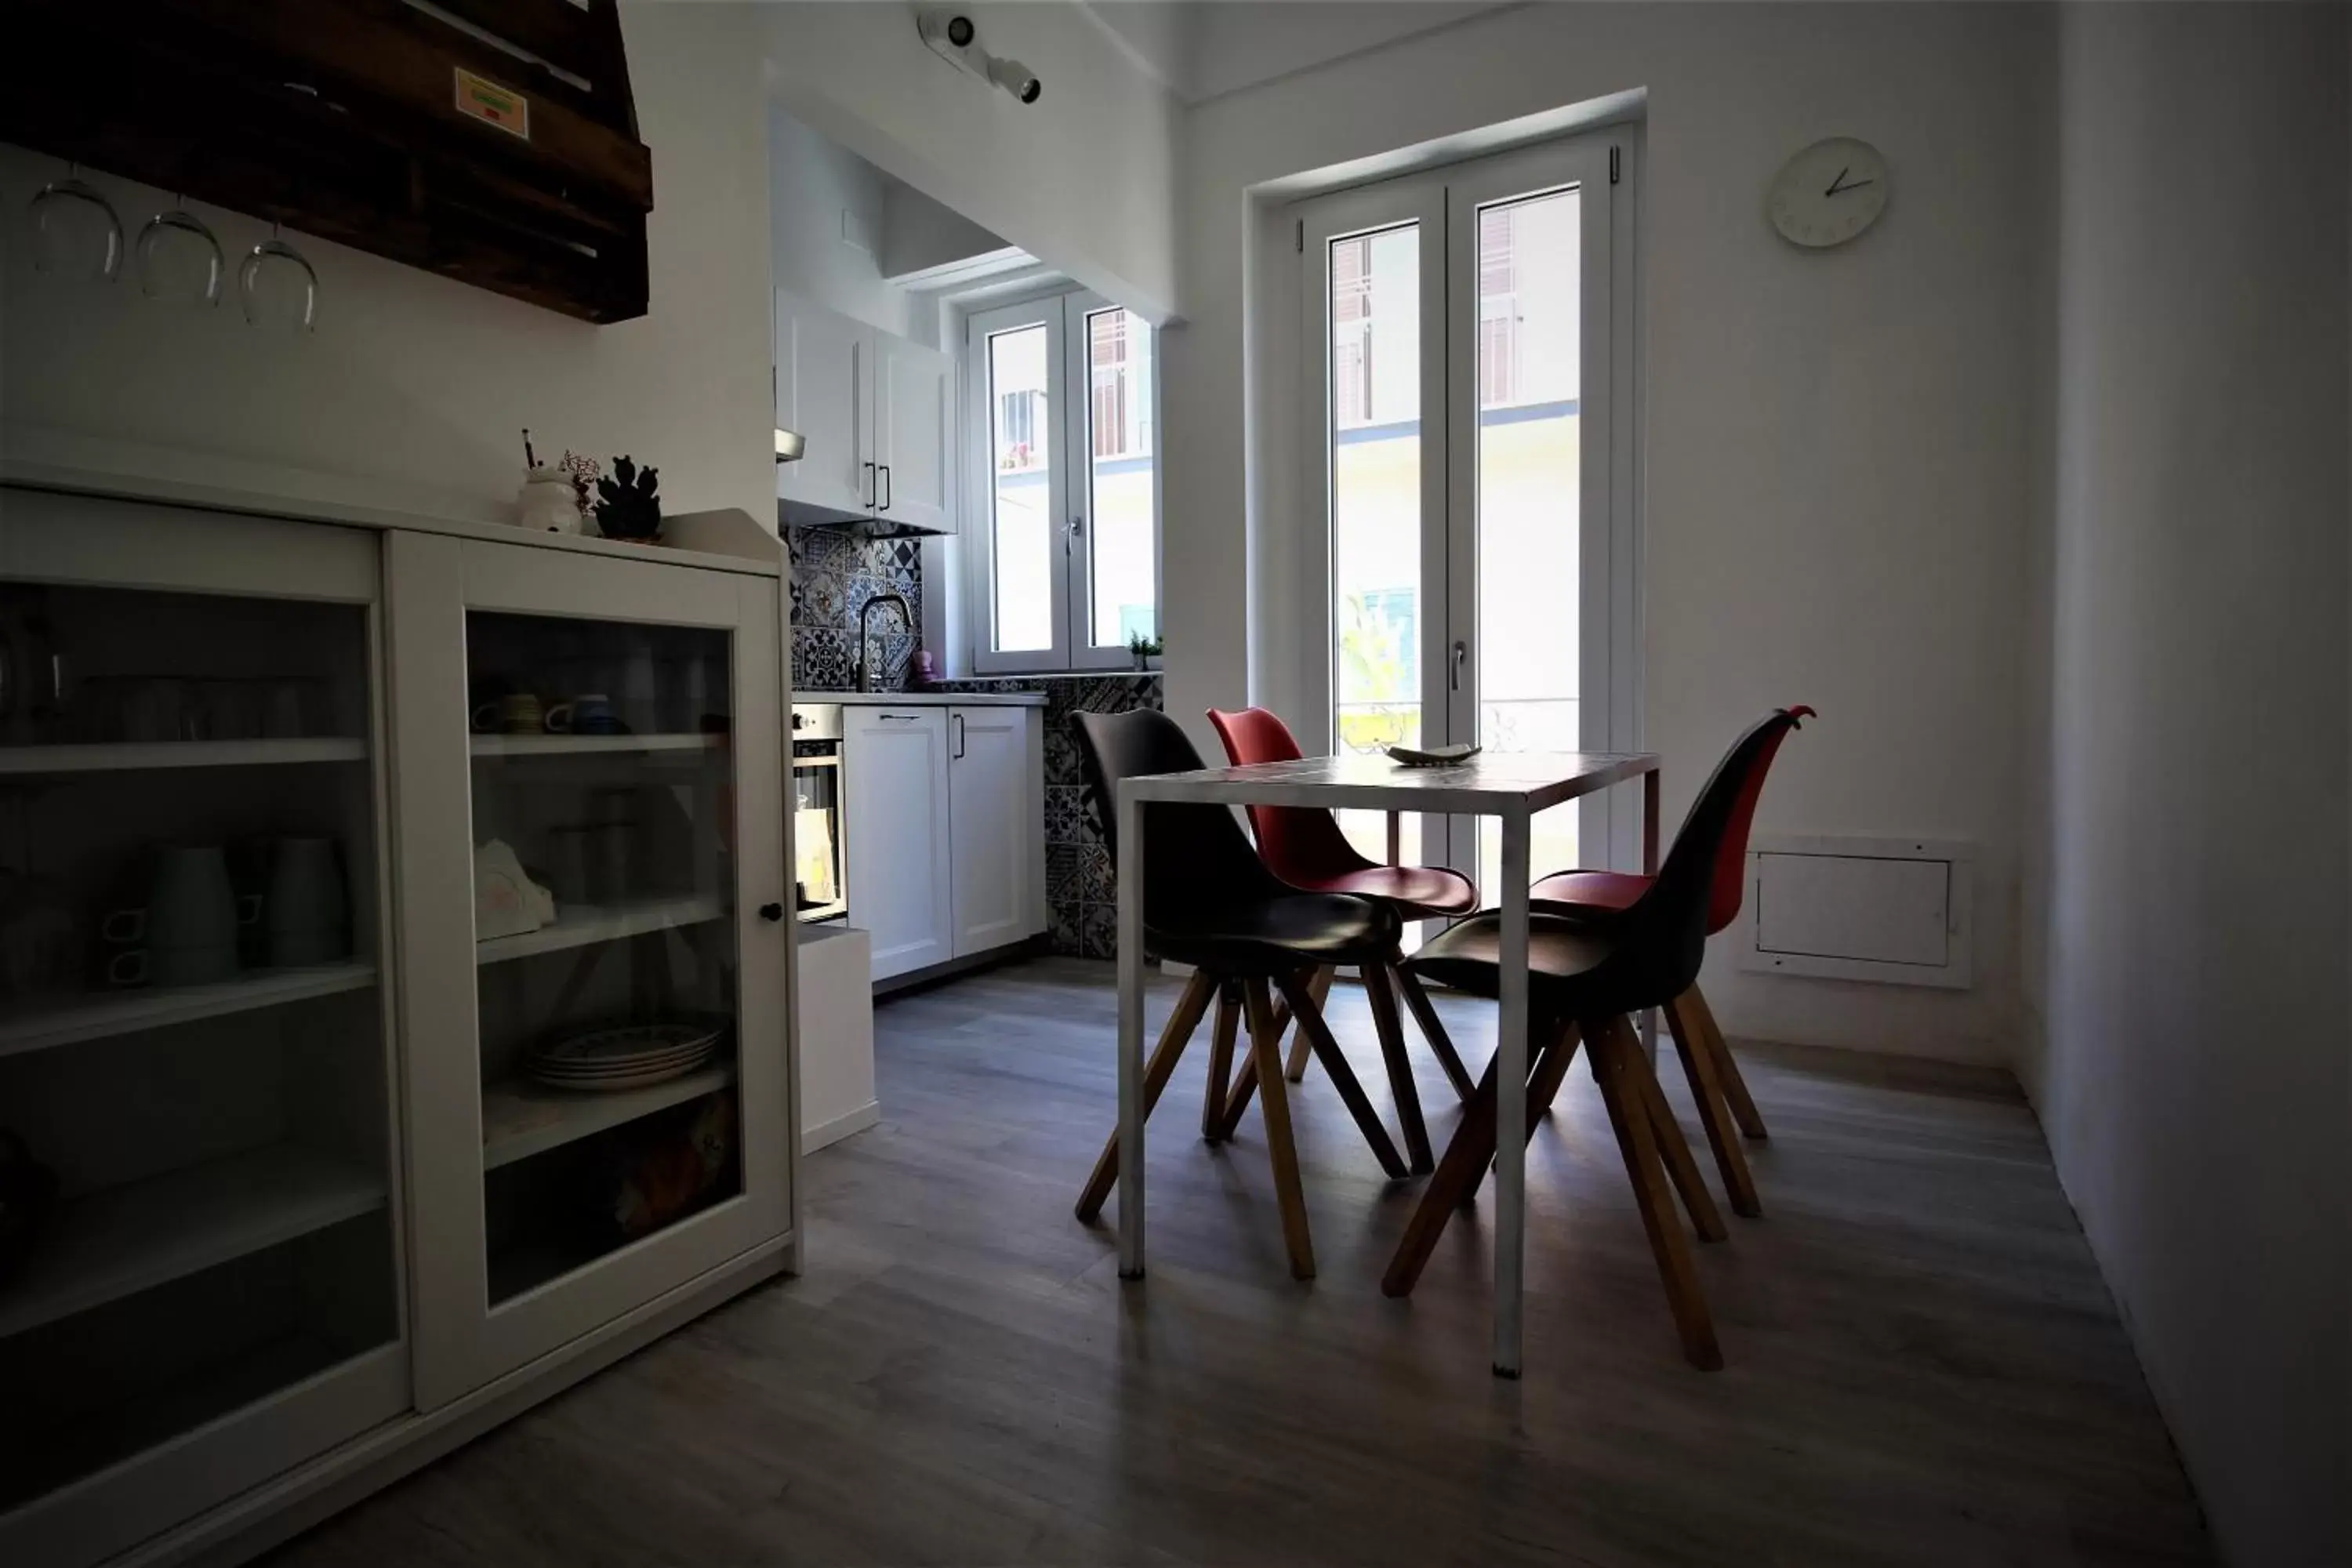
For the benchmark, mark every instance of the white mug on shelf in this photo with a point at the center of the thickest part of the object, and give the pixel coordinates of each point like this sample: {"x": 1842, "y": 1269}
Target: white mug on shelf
{"x": 187, "y": 931}
{"x": 310, "y": 915}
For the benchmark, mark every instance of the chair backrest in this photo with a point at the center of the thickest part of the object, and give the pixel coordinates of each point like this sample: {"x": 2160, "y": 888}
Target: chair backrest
{"x": 1665, "y": 930}
{"x": 1731, "y": 860}
{"x": 1194, "y": 856}
{"x": 1300, "y": 845}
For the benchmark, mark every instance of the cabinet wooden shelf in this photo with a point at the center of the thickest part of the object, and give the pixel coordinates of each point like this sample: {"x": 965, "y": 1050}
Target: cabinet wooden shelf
{"x": 64, "y": 1021}
{"x": 575, "y": 745}
{"x": 521, "y": 1118}
{"x": 577, "y": 925}
{"x": 115, "y": 1243}
{"x": 93, "y": 1440}
{"x": 140, "y": 755}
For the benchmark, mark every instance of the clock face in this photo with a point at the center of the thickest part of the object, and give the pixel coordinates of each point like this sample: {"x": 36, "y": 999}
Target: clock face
{"x": 1829, "y": 193}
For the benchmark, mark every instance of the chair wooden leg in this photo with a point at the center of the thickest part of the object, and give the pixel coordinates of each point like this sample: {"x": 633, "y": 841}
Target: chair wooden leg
{"x": 1674, "y": 1149}
{"x": 1265, "y": 1049}
{"x": 1440, "y": 1045}
{"x": 1734, "y": 1088}
{"x": 1390, "y": 1029}
{"x": 1313, "y": 1030}
{"x": 1554, "y": 1052}
{"x": 1318, "y": 985}
{"x": 1464, "y": 1161}
{"x": 1190, "y": 1006}
{"x": 1244, "y": 1084}
{"x": 1610, "y": 1043}
{"x": 1706, "y": 1090}
{"x": 1221, "y": 1059}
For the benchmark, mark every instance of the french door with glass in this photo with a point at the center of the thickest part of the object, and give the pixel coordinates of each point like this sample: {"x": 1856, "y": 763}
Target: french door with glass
{"x": 593, "y": 931}
{"x": 1466, "y": 370}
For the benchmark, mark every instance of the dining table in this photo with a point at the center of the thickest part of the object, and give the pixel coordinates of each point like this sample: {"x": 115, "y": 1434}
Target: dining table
{"x": 1511, "y": 786}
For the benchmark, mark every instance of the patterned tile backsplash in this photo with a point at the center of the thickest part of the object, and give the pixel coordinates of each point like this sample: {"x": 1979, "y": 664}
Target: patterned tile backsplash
{"x": 833, "y": 573}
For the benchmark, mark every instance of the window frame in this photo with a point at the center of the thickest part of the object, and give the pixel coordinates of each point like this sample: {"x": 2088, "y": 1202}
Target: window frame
{"x": 1070, "y": 394}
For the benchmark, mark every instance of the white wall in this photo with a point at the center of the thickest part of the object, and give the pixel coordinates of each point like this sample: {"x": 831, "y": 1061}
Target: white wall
{"x": 1084, "y": 179}
{"x": 2193, "y": 1059}
{"x": 828, "y": 215}
{"x": 918, "y": 233}
{"x": 1839, "y": 468}
{"x": 414, "y": 382}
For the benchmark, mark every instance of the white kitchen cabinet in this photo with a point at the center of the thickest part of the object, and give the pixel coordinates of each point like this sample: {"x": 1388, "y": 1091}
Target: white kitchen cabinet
{"x": 313, "y": 1217}
{"x": 914, "y": 435}
{"x": 876, "y": 416}
{"x": 996, "y": 771}
{"x": 825, "y": 391}
{"x": 895, "y": 765}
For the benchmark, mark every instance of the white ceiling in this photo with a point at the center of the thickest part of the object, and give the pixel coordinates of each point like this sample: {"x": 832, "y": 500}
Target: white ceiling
{"x": 1204, "y": 48}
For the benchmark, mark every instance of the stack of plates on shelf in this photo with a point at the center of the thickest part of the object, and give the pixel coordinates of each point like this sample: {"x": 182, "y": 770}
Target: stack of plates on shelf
{"x": 629, "y": 1056}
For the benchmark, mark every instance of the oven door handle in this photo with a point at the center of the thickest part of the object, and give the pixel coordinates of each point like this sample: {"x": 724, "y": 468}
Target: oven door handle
{"x": 832, "y": 761}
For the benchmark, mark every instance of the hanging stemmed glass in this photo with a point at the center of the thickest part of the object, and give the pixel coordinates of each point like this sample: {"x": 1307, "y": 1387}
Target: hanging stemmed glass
{"x": 76, "y": 230}
{"x": 179, "y": 258}
{"x": 276, "y": 283}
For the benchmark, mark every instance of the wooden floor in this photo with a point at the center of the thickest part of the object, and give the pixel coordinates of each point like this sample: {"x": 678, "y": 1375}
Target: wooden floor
{"x": 1924, "y": 1365}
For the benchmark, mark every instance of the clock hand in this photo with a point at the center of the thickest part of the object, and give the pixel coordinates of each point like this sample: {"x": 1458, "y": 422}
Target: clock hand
{"x": 1838, "y": 188}
{"x": 1841, "y": 174}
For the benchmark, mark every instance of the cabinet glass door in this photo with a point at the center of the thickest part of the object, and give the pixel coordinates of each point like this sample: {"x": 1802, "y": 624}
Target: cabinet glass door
{"x": 593, "y": 917}
{"x": 604, "y": 931}
{"x": 196, "y": 1204}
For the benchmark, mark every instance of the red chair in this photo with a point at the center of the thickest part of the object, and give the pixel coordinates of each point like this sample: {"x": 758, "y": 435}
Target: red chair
{"x": 1715, "y": 1081}
{"x": 1304, "y": 847}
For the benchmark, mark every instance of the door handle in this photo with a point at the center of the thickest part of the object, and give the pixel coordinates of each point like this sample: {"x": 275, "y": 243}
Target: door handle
{"x": 957, "y": 721}
{"x": 771, "y": 911}
{"x": 1461, "y": 657}
{"x": 1070, "y": 536}
{"x": 889, "y": 490}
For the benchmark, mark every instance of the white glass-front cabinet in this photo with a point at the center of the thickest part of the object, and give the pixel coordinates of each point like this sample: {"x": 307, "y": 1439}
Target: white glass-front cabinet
{"x": 592, "y": 938}
{"x": 200, "y": 1206}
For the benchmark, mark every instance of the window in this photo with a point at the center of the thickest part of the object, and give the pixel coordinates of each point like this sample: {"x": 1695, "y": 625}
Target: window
{"x": 1067, "y": 563}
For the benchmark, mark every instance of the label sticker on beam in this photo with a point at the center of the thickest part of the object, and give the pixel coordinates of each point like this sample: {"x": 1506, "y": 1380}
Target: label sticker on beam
{"x": 481, "y": 99}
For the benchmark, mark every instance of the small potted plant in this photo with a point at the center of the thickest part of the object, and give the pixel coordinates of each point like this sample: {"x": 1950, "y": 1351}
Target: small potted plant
{"x": 628, "y": 505}
{"x": 1145, "y": 649}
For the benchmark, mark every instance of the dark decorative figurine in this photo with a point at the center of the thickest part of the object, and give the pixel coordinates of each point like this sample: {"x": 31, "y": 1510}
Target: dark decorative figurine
{"x": 628, "y": 506}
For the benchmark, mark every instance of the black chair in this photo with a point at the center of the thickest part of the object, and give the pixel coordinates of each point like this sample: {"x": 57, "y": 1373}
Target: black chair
{"x": 1209, "y": 901}
{"x": 1585, "y": 975}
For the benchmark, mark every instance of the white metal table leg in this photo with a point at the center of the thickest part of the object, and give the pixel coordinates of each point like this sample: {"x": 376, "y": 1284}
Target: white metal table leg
{"x": 1511, "y": 1099}
{"x": 1131, "y": 1037}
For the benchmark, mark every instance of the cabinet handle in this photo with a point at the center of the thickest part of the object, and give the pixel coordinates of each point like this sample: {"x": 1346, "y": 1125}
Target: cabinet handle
{"x": 771, "y": 911}
{"x": 871, "y": 488}
{"x": 957, "y": 720}
{"x": 887, "y": 489}
{"x": 899, "y": 718}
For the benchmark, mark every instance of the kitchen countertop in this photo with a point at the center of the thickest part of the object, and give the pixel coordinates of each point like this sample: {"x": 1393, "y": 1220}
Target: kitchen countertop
{"x": 928, "y": 699}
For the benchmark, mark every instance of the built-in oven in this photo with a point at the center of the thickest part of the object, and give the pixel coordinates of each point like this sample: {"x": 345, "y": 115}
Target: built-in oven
{"x": 820, "y": 884}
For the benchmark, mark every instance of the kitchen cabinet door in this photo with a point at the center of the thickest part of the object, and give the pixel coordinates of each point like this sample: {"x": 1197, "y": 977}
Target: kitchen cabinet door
{"x": 914, "y": 415}
{"x": 895, "y": 763}
{"x": 824, "y": 371}
{"x": 590, "y": 790}
{"x": 998, "y": 812}
{"x": 196, "y": 1034}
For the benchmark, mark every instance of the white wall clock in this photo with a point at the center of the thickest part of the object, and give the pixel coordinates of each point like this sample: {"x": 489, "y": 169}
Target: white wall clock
{"x": 1829, "y": 193}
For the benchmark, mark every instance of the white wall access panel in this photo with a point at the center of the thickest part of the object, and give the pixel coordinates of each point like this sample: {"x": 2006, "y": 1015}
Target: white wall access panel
{"x": 1896, "y": 910}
